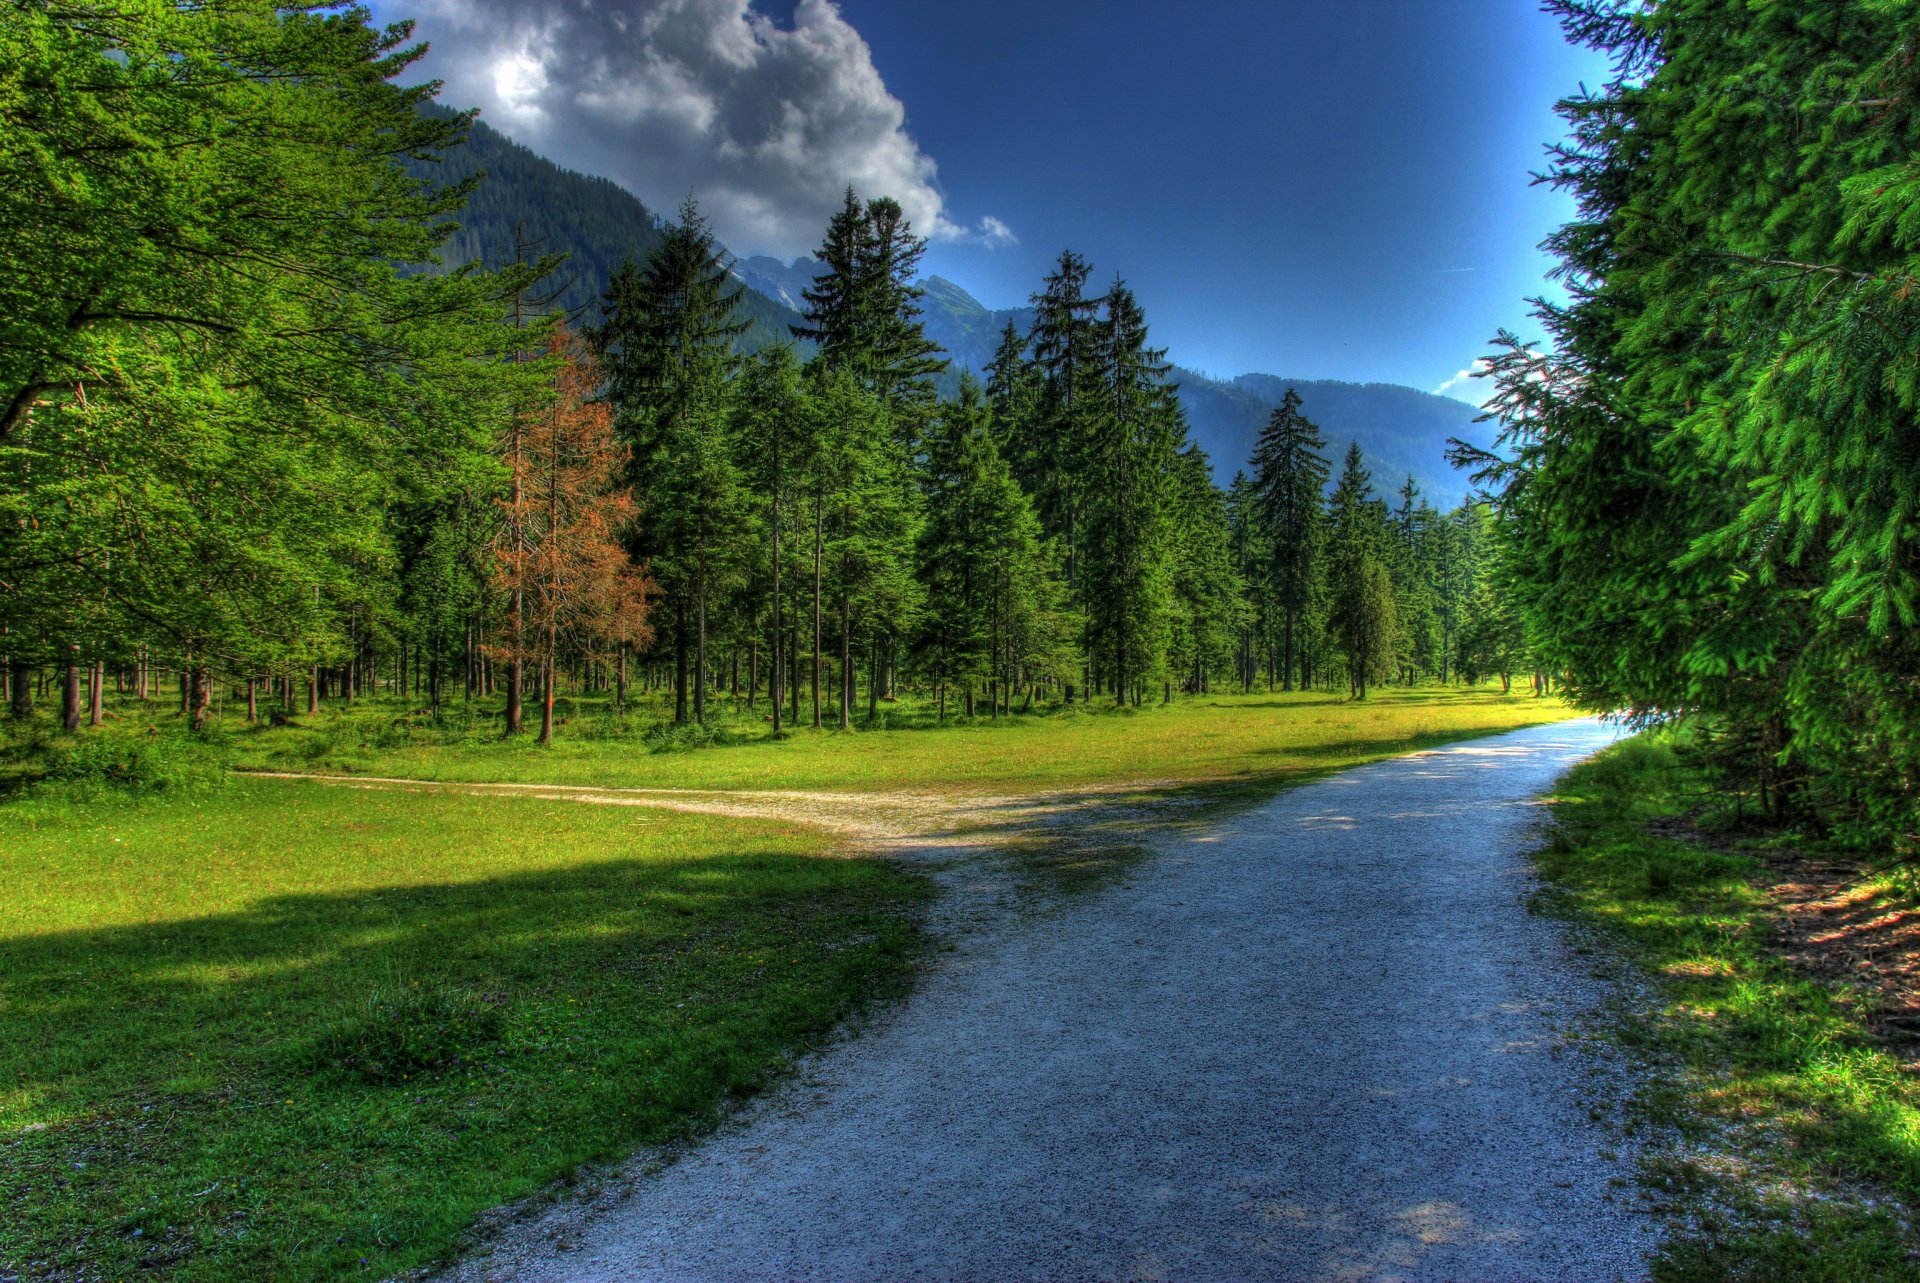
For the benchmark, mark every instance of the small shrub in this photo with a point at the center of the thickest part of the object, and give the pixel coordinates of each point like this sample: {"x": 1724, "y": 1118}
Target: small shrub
{"x": 135, "y": 763}
{"x": 402, "y": 1032}
{"x": 665, "y": 737}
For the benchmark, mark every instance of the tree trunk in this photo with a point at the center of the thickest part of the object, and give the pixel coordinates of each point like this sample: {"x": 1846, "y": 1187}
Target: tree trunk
{"x": 96, "y": 712}
{"x": 70, "y": 692}
{"x": 700, "y": 650}
{"x": 546, "y": 685}
{"x": 20, "y": 678}
{"x": 198, "y": 697}
{"x": 793, "y": 662}
{"x": 778, "y": 646}
{"x": 846, "y": 662}
{"x": 818, "y": 531}
{"x": 680, "y": 663}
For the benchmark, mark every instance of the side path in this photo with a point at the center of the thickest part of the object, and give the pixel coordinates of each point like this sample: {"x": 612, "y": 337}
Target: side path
{"x": 1316, "y": 1041}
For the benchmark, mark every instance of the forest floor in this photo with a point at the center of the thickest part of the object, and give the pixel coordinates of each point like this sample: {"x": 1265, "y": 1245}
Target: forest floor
{"x": 284, "y": 1028}
{"x": 1778, "y": 1017}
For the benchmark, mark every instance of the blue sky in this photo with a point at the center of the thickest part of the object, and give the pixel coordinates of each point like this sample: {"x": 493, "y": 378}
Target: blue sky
{"x": 1307, "y": 189}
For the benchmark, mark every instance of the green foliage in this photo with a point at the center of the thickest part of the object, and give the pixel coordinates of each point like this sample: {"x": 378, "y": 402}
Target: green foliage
{"x": 136, "y": 763}
{"x": 1709, "y": 490}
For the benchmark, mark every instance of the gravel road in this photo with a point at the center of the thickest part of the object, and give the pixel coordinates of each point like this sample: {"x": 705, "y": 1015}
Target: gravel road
{"x": 1321, "y": 1039}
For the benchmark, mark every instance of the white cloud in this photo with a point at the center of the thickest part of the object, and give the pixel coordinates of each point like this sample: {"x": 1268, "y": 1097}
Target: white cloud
{"x": 1464, "y": 382}
{"x": 765, "y": 125}
{"x": 996, "y": 233}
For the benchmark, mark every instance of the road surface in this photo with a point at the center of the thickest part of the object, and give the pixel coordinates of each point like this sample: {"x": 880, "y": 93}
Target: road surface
{"x": 1321, "y": 1039}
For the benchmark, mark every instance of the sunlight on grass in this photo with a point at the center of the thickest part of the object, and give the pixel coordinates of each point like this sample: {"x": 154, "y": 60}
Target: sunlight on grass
{"x": 1215, "y": 737}
{"x": 1823, "y": 1115}
{"x": 282, "y": 1030}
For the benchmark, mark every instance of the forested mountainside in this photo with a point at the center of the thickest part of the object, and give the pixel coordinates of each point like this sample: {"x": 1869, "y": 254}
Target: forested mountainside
{"x": 595, "y": 222}
{"x": 1402, "y": 430}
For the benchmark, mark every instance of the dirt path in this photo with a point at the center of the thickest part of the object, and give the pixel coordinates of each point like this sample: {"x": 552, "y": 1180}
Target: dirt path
{"x": 903, "y": 818}
{"x": 1322, "y": 1039}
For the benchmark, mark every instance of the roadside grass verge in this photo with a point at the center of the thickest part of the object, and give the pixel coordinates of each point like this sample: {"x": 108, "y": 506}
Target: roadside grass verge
{"x": 1228, "y": 739}
{"x": 288, "y": 1031}
{"x": 1792, "y": 1134}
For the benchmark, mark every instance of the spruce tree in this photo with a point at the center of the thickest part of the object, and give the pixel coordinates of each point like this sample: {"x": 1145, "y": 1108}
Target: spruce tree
{"x": 668, "y": 348}
{"x": 1362, "y": 614}
{"x": 1289, "y": 476}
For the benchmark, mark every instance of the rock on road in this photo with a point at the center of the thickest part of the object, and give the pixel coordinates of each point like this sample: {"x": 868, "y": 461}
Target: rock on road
{"x": 1318, "y": 1040}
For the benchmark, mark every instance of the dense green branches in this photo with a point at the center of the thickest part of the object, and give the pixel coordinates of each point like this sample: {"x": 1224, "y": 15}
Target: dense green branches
{"x": 1709, "y": 489}
{"x": 251, "y": 435}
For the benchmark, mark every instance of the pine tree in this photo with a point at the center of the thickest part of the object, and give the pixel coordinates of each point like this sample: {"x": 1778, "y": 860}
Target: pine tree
{"x": 1134, "y": 433}
{"x": 776, "y": 430}
{"x": 1289, "y": 476}
{"x": 668, "y": 347}
{"x": 1362, "y": 616}
{"x": 1049, "y": 451}
{"x": 1211, "y": 610}
{"x": 572, "y": 506}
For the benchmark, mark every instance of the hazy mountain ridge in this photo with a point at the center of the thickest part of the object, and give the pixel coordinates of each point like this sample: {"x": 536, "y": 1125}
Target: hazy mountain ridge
{"x": 1402, "y": 431}
{"x": 597, "y": 223}
{"x": 594, "y": 221}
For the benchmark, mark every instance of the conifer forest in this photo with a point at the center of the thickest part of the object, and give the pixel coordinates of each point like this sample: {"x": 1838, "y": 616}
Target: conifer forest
{"x": 545, "y": 739}
{"x": 256, "y": 448}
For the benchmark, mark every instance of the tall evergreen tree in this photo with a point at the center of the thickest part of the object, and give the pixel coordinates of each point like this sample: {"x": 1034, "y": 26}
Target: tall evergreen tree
{"x": 1289, "y": 476}
{"x": 1362, "y": 613}
{"x": 1049, "y": 453}
{"x": 1135, "y": 432}
{"x": 668, "y": 348}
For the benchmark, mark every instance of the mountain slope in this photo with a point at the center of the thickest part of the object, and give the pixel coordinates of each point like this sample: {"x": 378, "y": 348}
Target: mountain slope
{"x": 1402, "y": 431}
{"x": 597, "y": 223}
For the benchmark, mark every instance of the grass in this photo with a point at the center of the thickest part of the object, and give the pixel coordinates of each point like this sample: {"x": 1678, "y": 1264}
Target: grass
{"x": 1244, "y": 739}
{"x": 1794, "y": 1135}
{"x": 291, "y": 1031}
{"x": 282, "y": 1030}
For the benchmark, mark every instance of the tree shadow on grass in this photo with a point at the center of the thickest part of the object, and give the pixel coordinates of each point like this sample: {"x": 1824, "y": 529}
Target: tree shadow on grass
{"x": 333, "y": 1085}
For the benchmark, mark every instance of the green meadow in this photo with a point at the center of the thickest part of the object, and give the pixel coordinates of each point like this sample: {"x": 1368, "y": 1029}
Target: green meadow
{"x": 262, "y": 1028}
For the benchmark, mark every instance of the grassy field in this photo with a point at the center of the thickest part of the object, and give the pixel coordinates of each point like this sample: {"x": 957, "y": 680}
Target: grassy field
{"x": 290, "y": 1031}
{"x": 269, "y": 1029}
{"x": 1795, "y": 1134}
{"x": 1249, "y": 739}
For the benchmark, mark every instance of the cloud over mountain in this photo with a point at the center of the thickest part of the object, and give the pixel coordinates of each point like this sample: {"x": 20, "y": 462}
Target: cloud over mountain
{"x": 765, "y": 125}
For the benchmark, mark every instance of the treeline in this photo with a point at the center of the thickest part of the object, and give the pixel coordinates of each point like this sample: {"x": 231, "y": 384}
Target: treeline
{"x": 244, "y": 445}
{"x": 1712, "y": 501}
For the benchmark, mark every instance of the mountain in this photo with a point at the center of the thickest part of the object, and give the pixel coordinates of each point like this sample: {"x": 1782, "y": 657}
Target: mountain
{"x": 1402, "y": 431}
{"x": 598, "y": 223}
{"x": 595, "y": 222}
{"x": 784, "y": 283}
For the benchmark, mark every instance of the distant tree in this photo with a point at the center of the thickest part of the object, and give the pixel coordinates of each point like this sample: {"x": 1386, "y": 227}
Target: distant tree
{"x": 1362, "y": 614}
{"x": 1289, "y": 477}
